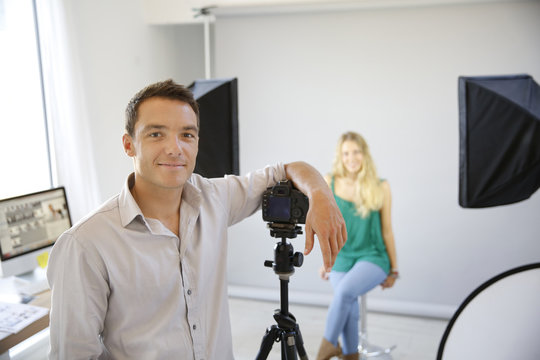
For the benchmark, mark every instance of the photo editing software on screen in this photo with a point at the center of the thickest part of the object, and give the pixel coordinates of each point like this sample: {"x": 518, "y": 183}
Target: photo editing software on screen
{"x": 31, "y": 222}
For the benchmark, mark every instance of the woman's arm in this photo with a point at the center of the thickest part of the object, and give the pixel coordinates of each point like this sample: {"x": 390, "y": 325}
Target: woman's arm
{"x": 388, "y": 235}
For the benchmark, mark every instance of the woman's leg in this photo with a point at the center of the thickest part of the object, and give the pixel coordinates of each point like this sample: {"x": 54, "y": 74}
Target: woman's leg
{"x": 350, "y": 329}
{"x": 334, "y": 315}
{"x": 343, "y": 311}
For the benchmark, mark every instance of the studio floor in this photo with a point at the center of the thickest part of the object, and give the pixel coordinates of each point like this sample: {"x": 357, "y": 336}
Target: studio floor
{"x": 414, "y": 338}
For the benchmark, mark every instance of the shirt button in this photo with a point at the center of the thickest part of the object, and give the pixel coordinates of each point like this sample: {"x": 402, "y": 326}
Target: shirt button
{"x": 194, "y": 327}
{"x": 189, "y": 292}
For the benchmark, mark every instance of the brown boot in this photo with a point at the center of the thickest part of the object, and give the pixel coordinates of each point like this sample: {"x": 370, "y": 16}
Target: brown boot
{"x": 355, "y": 356}
{"x": 328, "y": 350}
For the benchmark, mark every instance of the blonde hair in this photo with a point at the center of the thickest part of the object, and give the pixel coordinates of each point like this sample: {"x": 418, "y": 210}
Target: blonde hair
{"x": 368, "y": 193}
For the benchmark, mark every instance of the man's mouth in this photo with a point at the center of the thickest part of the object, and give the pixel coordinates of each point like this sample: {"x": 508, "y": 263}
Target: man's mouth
{"x": 172, "y": 165}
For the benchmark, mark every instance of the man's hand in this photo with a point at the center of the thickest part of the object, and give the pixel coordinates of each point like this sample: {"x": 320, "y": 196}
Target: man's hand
{"x": 323, "y": 218}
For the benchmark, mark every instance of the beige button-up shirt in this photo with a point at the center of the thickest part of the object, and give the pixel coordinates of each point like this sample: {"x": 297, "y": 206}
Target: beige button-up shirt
{"x": 125, "y": 287}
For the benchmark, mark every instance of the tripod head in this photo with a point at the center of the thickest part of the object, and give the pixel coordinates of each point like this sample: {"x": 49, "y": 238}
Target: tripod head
{"x": 284, "y": 230}
{"x": 285, "y": 259}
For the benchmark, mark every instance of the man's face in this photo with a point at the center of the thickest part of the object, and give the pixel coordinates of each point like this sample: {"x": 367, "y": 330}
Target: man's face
{"x": 165, "y": 143}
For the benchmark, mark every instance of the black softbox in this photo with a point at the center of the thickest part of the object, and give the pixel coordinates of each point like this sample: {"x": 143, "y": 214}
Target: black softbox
{"x": 499, "y": 129}
{"x": 218, "y": 133}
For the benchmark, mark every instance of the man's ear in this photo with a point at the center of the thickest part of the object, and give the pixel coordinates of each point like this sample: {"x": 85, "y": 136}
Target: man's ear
{"x": 127, "y": 141}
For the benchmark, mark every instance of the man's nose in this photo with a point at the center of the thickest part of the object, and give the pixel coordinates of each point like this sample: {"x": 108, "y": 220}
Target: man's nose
{"x": 174, "y": 146}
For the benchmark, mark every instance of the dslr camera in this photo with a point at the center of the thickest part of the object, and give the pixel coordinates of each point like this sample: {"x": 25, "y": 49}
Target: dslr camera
{"x": 284, "y": 204}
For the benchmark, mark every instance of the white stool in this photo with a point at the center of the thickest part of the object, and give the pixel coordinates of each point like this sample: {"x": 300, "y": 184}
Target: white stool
{"x": 365, "y": 349}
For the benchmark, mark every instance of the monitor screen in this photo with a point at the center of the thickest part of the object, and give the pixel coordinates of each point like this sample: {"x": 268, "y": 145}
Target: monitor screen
{"x": 28, "y": 224}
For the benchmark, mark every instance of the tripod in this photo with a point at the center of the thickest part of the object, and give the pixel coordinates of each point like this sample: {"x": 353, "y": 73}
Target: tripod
{"x": 287, "y": 330}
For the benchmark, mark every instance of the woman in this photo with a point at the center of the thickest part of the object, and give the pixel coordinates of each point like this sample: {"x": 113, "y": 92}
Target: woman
{"x": 368, "y": 258}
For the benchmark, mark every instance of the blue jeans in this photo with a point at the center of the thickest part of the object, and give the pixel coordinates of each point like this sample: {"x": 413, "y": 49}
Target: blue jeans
{"x": 343, "y": 313}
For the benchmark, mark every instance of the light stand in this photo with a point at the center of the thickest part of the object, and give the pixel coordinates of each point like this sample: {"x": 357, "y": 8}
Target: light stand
{"x": 207, "y": 19}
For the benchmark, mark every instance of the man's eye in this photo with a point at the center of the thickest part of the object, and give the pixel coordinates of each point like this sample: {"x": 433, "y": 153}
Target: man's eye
{"x": 154, "y": 134}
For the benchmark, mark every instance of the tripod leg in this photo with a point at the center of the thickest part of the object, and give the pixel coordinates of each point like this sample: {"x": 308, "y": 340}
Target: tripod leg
{"x": 272, "y": 334}
{"x": 288, "y": 346}
{"x": 300, "y": 343}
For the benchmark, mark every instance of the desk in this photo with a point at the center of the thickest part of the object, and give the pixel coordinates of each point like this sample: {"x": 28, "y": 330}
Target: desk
{"x": 43, "y": 299}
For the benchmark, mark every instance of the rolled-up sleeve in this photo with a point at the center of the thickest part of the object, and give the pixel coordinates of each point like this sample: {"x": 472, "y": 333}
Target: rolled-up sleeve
{"x": 245, "y": 192}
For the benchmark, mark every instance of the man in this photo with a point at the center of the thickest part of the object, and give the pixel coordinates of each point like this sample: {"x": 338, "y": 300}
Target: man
{"x": 143, "y": 277}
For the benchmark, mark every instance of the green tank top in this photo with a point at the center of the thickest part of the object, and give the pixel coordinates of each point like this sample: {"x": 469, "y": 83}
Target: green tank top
{"x": 364, "y": 238}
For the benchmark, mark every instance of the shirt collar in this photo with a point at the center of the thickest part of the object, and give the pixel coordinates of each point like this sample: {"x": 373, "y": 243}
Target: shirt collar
{"x": 191, "y": 194}
{"x": 130, "y": 210}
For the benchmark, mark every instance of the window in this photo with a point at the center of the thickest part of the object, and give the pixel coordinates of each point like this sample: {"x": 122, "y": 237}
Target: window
{"x": 24, "y": 150}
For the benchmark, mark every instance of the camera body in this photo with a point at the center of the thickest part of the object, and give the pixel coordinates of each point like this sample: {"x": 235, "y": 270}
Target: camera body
{"x": 284, "y": 204}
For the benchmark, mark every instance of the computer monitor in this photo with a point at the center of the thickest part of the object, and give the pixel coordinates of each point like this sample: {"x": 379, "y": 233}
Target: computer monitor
{"x": 29, "y": 226}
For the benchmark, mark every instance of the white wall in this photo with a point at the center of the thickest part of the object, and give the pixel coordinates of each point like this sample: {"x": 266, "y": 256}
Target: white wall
{"x": 120, "y": 54}
{"x": 390, "y": 74}
{"x": 305, "y": 78}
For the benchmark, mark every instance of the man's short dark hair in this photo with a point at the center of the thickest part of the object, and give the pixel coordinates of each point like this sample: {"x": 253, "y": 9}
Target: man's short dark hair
{"x": 165, "y": 89}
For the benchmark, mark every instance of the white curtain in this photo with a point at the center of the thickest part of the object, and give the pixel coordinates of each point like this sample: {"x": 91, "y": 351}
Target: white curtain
{"x": 69, "y": 125}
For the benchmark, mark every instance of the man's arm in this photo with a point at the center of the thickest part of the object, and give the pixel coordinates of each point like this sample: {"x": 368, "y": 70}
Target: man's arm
{"x": 324, "y": 217}
{"x": 76, "y": 317}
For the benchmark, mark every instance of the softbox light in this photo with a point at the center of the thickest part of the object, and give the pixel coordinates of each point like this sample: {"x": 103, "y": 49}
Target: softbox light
{"x": 218, "y": 133}
{"x": 499, "y": 129}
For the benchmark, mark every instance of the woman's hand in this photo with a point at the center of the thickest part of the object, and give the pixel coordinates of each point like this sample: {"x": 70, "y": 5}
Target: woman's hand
{"x": 323, "y": 273}
{"x": 390, "y": 279}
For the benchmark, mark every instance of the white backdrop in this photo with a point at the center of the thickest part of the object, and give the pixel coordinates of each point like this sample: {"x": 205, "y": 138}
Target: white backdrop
{"x": 390, "y": 74}
{"x": 119, "y": 54}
